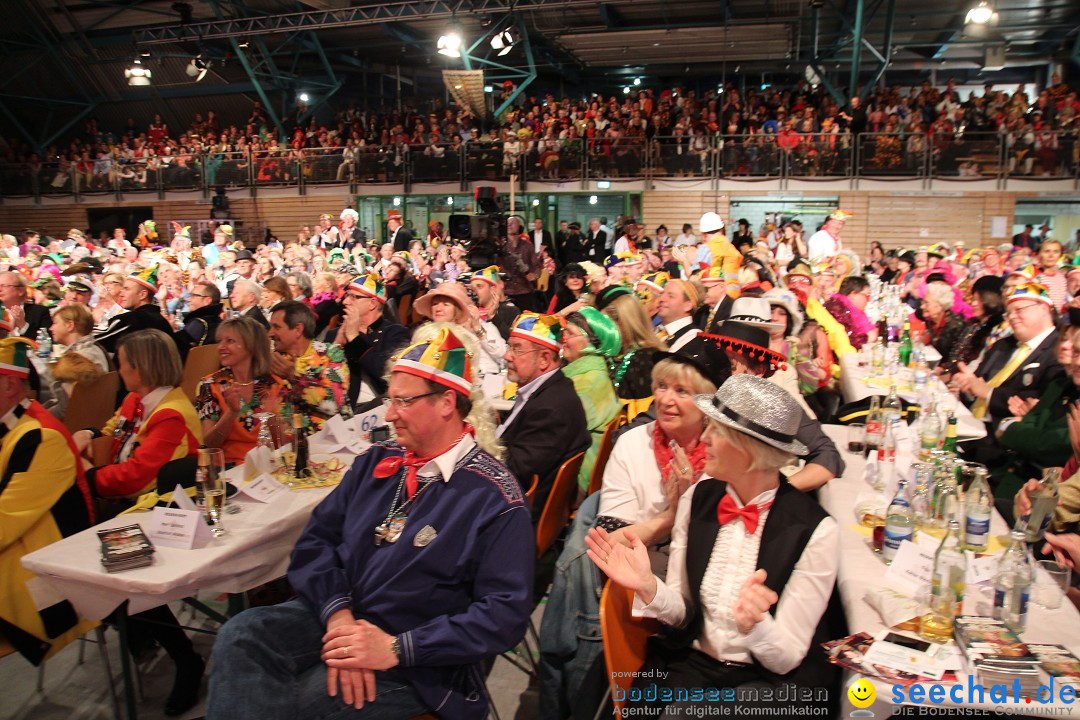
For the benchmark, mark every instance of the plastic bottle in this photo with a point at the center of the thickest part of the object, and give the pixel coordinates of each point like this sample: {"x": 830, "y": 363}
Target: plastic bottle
{"x": 44, "y": 343}
{"x": 899, "y": 523}
{"x": 978, "y": 508}
{"x": 1043, "y": 502}
{"x": 886, "y": 454}
{"x": 1012, "y": 584}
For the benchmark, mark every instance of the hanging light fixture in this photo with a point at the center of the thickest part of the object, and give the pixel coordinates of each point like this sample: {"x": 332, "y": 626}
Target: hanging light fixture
{"x": 450, "y": 45}
{"x": 981, "y": 14}
{"x": 503, "y": 42}
{"x": 198, "y": 67}
{"x": 137, "y": 75}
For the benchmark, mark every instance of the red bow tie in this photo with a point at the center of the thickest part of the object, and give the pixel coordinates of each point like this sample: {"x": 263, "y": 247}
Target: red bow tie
{"x": 727, "y": 510}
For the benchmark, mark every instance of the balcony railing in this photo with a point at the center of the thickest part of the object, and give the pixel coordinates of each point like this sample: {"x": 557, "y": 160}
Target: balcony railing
{"x": 787, "y": 156}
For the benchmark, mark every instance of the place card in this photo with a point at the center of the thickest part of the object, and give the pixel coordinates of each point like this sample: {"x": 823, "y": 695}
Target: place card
{"x": 175, "y": 528}
{"x": 912, "y": 567}
{"x": 181, "y": 499}
{"x": 981, "y": 568}
{"x": 263, "y": 488}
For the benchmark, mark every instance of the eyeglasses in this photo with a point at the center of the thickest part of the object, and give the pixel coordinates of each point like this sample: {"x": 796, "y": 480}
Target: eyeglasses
{"x": 518, "y": 350}
{"x": 358, "y": 296}
{"x": 1014, "y": 311}
{"x": 402, "y": 403}
{"x": 199, "y": 295}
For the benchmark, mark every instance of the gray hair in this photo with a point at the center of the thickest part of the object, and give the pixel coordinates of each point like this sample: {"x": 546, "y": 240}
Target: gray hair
{"x": 249, "y": 285}
{"x": 303, "y": 280}
{"x": 19, "y": 279}
{"x": 941, "y": 293}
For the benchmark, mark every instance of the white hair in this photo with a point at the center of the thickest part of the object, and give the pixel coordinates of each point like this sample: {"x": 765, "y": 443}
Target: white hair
{"x": 249, "y": 285}
{"x": 482, "y": 416}
{"x": 941, "y": 293}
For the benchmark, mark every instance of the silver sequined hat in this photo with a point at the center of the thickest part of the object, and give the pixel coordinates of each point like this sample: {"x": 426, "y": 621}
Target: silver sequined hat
{"x": 758, "y": 408}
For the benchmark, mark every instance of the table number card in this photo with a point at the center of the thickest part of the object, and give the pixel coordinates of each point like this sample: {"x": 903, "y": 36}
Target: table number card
{"x": 263, "y": 488}
{"x": 183, "y": 529}
{"x": 912, "y": 567}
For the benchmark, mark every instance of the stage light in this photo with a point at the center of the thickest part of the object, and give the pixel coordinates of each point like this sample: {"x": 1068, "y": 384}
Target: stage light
{"x": 981, "y": 13}
{"x": 303, "y": 97}
{"x": 197, "y": 68}
{"x": 450, "y": 45}
{"x": 503, "y": 42}
{"x": 137, "y": 75}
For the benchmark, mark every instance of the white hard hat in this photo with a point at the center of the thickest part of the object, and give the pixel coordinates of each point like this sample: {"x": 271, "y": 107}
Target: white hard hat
{"x": 710, "y": 222}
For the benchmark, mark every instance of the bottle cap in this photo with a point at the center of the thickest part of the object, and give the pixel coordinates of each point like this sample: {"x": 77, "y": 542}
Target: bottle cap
{"x": 204, "y": 455}
{"x": 297, "y": 421}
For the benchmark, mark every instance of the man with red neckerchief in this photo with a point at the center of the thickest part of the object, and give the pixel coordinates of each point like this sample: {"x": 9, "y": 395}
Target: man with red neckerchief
{"x": 416, "y": 569}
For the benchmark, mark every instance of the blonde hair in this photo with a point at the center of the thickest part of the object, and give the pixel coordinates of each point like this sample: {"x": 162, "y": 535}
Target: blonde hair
{"x": 154, "y": 356}
{"x": 672, "y": 370}
{"x": 762, "y": 456}
{"x": 252, "y": 336}
{"x": 79, "y": 316}
{"x": 481, "y": 415}
{"x": 634, "y": 326}
{"x": 327, "y": 279}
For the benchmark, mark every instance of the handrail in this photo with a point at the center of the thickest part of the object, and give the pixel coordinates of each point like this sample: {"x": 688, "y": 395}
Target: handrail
{"x": 787, "y": 155}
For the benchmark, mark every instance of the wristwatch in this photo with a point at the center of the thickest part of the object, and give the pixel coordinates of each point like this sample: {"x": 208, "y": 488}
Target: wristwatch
{"x": 395, "y": 647}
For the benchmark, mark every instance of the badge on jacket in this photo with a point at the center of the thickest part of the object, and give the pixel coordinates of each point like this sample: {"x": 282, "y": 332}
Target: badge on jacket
{"x": 424, "y": 536}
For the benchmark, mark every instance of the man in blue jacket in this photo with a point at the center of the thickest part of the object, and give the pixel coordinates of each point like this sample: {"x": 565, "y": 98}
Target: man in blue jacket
{"x": 417, "y": 568}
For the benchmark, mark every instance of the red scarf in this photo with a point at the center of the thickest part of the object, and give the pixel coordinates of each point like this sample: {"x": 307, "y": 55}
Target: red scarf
{"x": 665, "y": 456}
{"x": 392, "y": 465}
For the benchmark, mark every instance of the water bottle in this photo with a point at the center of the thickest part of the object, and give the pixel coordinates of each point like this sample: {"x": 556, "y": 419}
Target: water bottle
{"x": 44, "y": 343}
{"x": 874, "y": 425}
{"x": 1012, "y": 584}
{"x": 877, "y": 357}
{"x": 899, "y": 523}
{"x": 929, "y": 432}
{"x": 978, "y": 507}
{"x": 892, "y": 408}
{"x": 920, "y": 373}
{"x": 1043, "y": 502}
{"x": 946, "y": 587}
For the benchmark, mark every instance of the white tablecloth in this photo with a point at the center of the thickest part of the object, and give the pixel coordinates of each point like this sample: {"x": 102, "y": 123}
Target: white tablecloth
{"x": 861, "y": 569}
{"x": 254, "y": 550}
{"x": 854, "y": 387}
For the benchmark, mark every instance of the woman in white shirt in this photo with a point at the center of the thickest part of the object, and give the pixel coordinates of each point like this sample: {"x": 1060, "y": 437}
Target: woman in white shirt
{"x": 753, "y": 561}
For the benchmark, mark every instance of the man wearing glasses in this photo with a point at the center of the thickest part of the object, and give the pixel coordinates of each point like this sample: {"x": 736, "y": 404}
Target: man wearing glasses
{"x": 201, "y": 320}
{"x": 547, "y": 426}
{"x": 1019, "y": 366}
{"x": 415, "y": 570}
{"x": 27, "y": 318}
{"x": 368, "y": 338}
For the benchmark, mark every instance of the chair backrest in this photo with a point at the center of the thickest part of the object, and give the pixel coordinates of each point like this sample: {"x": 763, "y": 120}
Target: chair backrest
{"x": 606, "y": 444}
{"x": 625, "y": 640}
{"x": 201, "y": 361}
{"x": 92, "y": 404}
{"x": 101, "y": 450}
{"x": 557, "y": 510}
{"x": 404, "y": 310}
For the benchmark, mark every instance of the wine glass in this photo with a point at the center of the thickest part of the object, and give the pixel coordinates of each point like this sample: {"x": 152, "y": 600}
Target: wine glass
{"x": 211, "y": 478}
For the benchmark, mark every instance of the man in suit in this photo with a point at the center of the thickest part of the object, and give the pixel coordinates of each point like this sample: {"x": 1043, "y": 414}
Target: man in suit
{"x": 368, "y": 339}
{"x": 244, "y": 300}
{"x": 542, "y": 238}
{"x": 27, "y": 318}
{"x": 201, "y": 320}
{"x": 717, "y": 305}
{"x": 1022, "y": 365}
{"x": 676, "y": 309}
{"x": 139, "y": 298}
{"x": 400, "y": 236}
{"x": 546, "y": 426}
{"x": 596, "y": 241}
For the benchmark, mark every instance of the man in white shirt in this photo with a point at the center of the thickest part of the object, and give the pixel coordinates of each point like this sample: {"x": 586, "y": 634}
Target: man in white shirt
{"x": 826, "y": 241}
{"x": 686, "y": 237}
{"x": 541, "y": 238}
{"x": 676, "y": 311}
{"x": 753, "y": 562}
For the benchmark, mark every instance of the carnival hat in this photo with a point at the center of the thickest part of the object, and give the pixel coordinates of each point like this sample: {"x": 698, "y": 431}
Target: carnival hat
{"x": 799, "y": 267}
{"x": 653, "y": 281}
{"x": 841, "y": 215}
{"x": 703, "y": 355}
{"x": 442, "y": 360}
{"x": 787, "y": 300}
{"x": 1030, "y": 291}
{"x": 490, "y": 275}
{"x": 148, "y": 278}
{"x": 15, "y": 356}
{"x": 80, "y": 285}
{"x": 544, "y": 330}
{"x": 758, "y": 408}
{"x": 452, "y": 291}
{"x": 753, "y": 311}
{"x": 600, "y": 330}
{"x": 714, "y": 275}
{"x": 610, "y": 294}
{"x": 370, "y": 285}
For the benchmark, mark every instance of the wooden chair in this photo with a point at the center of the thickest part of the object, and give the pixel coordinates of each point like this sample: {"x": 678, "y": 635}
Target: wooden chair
{"x": 625, "y": 640}
{"x": 92, "y": 404}
{"x": 557, "y": 509}
{"x": 404, "y": 310}
{"x": 606, "y": 444}
{"x": 201, "y": 361}
{"x": 101, "y": 450}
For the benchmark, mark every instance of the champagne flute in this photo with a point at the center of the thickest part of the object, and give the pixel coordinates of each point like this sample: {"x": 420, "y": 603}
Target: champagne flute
{"x": 211, "y": 476}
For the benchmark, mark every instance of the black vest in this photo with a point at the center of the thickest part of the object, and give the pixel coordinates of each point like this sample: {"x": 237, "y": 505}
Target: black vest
{"x": 791, "y": 522}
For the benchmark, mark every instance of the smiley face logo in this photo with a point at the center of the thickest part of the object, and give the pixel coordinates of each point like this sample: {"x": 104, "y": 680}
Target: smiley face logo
{"x": 861, "y": 693}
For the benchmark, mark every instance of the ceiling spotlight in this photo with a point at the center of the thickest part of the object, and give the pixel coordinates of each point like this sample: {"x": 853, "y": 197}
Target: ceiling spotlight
{"x": 197, "y": 68}
{"x": 303, "y": 97}
{"x": 489, "y": 88}
{"x": 503, "y": 42}
{"x": 626, "y": 91}
{"x": 981, "y": 13}
{"x": 637, "y": 81}
{"x": 244, "y": 42}
{"x": 450, "y": 45}
{"x": 137, "y": 75}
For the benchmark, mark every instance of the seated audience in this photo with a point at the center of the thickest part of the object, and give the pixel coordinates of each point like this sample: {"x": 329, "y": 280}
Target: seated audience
{"x": 943, "y": 326}
{"x": 316, "y": 372}
{"x": 590, "y": 340}
{"x": 369, "y": 336}
{"x": 81, "y": 360}
{"x": 201, "y": 320}
{"x": 494, "y": 307}
{"x": 138, "y": 299}
{"x": 401, "y": 626}
{"x": 987, "y": 313}
{"x": 678, "y": 302}
{"x": 229, "y": 399}
{"x": 631, "y": 371}
{"x": 848, "y": 306}
{"x": 742, "y": 541}
{"x": 535, "y": 445}
{"x": 244, "y": 301}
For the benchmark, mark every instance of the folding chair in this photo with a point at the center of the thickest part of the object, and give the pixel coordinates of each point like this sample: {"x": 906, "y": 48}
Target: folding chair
{"x": 606, "y": 444}
{"x": 625, "y": 640}
{"x": 92, "y": 404}
{"x": 201, "y": 361}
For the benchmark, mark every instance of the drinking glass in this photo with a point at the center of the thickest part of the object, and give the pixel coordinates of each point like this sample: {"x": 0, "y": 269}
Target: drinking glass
{"x": 212, "y": 481}
{"x": 856, "y": 435}
{"x": 1051, "y": 583}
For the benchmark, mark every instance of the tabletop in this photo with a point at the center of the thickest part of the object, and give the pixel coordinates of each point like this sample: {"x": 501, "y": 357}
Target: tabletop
{"x": 858, "y": 382}
{"x": 861, "y": 570}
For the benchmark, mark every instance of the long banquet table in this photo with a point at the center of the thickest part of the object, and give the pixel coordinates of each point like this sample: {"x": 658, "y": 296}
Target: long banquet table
{"x": 861, "y": 570}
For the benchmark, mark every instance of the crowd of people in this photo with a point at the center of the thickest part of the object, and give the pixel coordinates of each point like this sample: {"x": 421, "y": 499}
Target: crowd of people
{"x": 718, "y": 347}
{"x": 801, "y": 129}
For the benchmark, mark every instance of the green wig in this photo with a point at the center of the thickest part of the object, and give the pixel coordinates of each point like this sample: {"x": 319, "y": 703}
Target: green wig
{"x": 602, "y": 332}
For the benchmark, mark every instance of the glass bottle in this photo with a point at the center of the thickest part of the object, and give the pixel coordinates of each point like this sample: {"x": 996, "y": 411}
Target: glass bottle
{"x": 899, "y": 523}
{"x": 1012, "y": 584}
{"x": 946, "y": 587}
{"x": 978, "y": 508}
{"x": 1043, "y": 502}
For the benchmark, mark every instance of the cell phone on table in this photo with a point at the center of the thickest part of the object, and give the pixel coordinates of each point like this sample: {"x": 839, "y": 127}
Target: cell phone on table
{"x": 908, "y": 642}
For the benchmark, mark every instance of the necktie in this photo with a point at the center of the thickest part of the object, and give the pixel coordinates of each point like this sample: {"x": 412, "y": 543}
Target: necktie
{"x": 727, "y": 510}
{"x": 662, "y": 333}
{"x": 1019, "y": 356}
